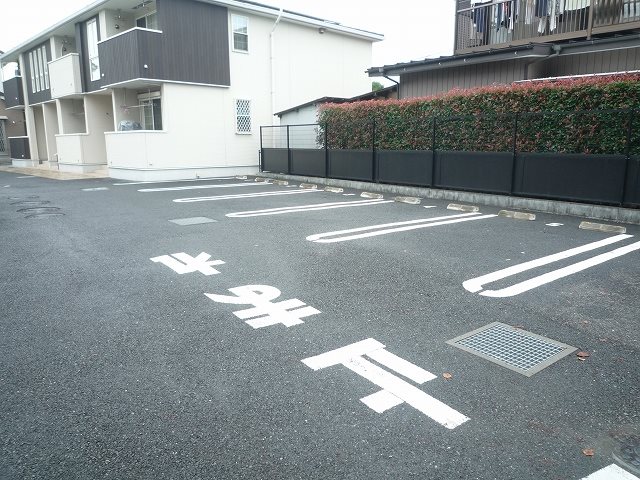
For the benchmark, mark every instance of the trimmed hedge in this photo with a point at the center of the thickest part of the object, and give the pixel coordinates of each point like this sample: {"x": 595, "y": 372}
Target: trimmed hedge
{"x": 584, "y": 115}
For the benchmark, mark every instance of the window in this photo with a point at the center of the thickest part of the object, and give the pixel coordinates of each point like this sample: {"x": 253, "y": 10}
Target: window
{"x": 150, "y": 111}
{"x": 92, "y": 48}
{"x": 240, "y": 27}
{"x": 33, "y": 73}
{"x": 38, "y": 69}
{"x": 243, "y": 116}
{"x": 150, "y": 21}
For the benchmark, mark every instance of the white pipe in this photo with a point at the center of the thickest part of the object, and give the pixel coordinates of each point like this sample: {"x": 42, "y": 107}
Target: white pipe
{"x": 272, "y": 63}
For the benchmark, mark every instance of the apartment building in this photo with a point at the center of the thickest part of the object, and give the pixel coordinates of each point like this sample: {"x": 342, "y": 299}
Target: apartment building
{"x": 169, "y": 89}
{"x": 505, "y": 41}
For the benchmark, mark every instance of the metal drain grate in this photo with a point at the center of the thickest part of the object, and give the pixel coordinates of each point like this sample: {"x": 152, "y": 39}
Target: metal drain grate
{"x": 516, "y": 349}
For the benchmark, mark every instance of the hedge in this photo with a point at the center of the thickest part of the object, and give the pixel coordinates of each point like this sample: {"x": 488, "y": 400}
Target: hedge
{"x": 584, "y": 115}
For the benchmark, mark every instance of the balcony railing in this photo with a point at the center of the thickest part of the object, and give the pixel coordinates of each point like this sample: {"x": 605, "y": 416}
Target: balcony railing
{"x": 481, "y": 26}
{"x": 64, "y": 74}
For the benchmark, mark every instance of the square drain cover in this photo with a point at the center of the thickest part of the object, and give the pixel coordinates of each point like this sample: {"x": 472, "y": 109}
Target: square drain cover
{"x": 516, "y": 349}
{"x": 192, "y": 221}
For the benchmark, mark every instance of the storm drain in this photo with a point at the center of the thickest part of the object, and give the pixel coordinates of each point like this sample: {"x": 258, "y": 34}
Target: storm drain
{"x": 516, "y": 349}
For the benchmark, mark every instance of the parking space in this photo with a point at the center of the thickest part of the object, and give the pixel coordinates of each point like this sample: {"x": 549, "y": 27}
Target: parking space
{"x": 228, "y": 328}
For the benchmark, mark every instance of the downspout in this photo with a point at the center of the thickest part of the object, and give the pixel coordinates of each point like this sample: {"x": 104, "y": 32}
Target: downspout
{"x": 556, "y": 49}
{"x": 396, "y": 82}
{"x": 272, "y": 63}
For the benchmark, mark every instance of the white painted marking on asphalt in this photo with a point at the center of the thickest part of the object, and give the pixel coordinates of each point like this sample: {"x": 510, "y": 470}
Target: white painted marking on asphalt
{"x": 429, "y": 206}
{"x": 208, "y": 179}
{"x": 198, "y": 187}
{"x": 349, "y": 194}
{"x": 399, "y": 227}
{"x": 6, "y": 186}
{"x": 612, "y": 472}
{"x": 549, "y": 277}
{"x": 476, "y": 284}
{"x": 192, "y": 221}
{"x": 189, "y": 264}
{"x": 96, "y": 189}
{"x": 26, "y": 176}
{"x": 265, "y": 313}
{"x": 243, "y": 195}
{"x": 554, "y": 224}
{"x": 306, "y": 208}
{"x": 395, "y": 391}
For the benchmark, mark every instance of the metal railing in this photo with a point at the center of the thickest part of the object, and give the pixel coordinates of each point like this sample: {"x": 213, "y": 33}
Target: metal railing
{"x": 501, "y": 22}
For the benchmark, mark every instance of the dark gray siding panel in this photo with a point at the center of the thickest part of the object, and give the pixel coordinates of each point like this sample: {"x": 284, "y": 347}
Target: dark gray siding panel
{"x": 195, "y": 41}
{"x": 13, "y": 92}
{"x": 43, "y": 95}
{"x": 19, "y": 148}
{"x": 438, "y": 81}
{"x": 124, "y": 57}
{"x": 598, "y": 62}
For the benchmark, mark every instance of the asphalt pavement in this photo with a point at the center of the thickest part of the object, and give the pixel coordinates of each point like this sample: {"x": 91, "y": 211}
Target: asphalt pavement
{"x": 287, "y": 333}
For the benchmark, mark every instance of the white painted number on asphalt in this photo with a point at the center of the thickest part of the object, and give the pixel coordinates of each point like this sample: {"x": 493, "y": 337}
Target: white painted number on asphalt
{"x": 394, "y": 391}
{"x": 265, "y": 313}
{"x": 475, "y": 285}
{"x": 612, "y": 472}
{"x": 182, "y": 263}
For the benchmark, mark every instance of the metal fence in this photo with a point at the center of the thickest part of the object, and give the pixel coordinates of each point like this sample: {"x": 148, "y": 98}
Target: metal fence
{"x": 588, "y": 156}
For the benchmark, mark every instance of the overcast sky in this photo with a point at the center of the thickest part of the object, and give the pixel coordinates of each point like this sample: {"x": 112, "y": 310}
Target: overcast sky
{"x": 413, "y": 29}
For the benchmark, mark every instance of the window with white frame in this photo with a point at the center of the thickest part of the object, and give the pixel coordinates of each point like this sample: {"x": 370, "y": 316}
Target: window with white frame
{"x": 243, "y": 116}
{"x": 240, "y": 28}
{"x": 150, "y": 21}
{"x": 38, "y": 69}
{"x": 150, "y": 111}
{"x": 92, "y": 49}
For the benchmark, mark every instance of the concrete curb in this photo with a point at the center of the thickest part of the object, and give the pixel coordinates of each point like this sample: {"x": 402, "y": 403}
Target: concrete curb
{"x": 601, "y": 227}
{"x": 517, "y": 215}
{"x": 599, "y": 212}
{"x": 463, "y": 208}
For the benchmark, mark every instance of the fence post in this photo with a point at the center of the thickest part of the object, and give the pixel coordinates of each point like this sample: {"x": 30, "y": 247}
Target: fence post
{"x": 288, "y": 153}
{"x": 260, "y": 152}
{"x": 515, "y": 152}
{"x": 627, "y": 156}
{"x": 374, "y": 169}
{"x": 326, "y": 150}
{"x": 433, "y": 154}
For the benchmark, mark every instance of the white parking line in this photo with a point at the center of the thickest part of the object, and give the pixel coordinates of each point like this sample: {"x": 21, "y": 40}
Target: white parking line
{"x": 243, "y": 195}
{"x": 375, "y": 230}
{"x": 306, "y": 208}
{"x": 197, "y": 187}
{"x": 176, "y": 181}
{"x": 476, "y": 284}
{"x": 612, "y": 472}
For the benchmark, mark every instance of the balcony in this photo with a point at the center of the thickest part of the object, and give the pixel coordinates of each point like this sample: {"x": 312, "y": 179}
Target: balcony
{"x": 64, "y": 75}
{"x": 13, "y": 92}
{"x": 500, "y": 23}
{"x": 130, "y": 55}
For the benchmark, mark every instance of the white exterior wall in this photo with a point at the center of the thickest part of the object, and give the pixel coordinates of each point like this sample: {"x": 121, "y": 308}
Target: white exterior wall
{"x": 108, "y": 19}
{"x": 41, "y": 142}
{"x": 51, "y": 128}
{"x": 301, "y": 116}
{"x": 64, "y": 76}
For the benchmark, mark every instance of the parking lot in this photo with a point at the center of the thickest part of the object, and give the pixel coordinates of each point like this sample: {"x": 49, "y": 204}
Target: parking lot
{"x": 229, "y": 328}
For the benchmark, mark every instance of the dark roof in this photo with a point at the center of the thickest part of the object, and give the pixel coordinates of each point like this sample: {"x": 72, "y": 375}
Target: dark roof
{"x": 365, "y": 96}
{"x": 532, "y": 50}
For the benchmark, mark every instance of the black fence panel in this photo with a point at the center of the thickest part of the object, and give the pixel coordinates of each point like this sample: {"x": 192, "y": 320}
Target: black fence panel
{"x": 575, "y": 177}
{"x": 19, "y": 147}
{"x": 475, "y": 171}
{"x": 275, "y": 160}
{"x": 632, "y": 197}
{"x": 306, "y": 161}
{"x": 351, "y": 164}
{"x": 405, "y": 167}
